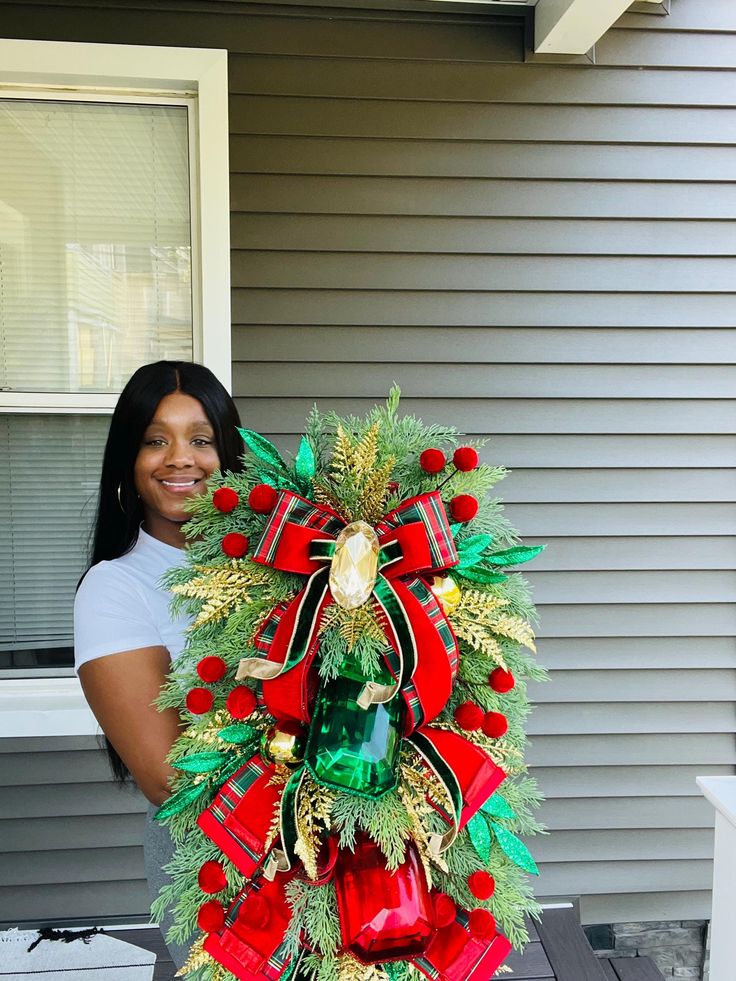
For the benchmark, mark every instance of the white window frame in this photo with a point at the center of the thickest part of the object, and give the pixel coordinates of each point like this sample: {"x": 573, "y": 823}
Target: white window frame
{"x": 197, "y": 78}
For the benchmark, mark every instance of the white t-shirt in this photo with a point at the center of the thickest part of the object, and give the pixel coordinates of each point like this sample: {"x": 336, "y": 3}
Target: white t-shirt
{"x": 120, "y": 605}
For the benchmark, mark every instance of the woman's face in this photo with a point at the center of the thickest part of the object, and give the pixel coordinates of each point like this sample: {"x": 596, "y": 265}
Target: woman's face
{"x": 175, "y": 458}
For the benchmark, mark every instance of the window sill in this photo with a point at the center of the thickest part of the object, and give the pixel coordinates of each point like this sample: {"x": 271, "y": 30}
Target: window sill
{"x": 44, "y": 707}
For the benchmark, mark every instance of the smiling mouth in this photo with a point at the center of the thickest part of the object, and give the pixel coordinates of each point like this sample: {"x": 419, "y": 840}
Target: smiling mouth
{"x": 179, "y": 483}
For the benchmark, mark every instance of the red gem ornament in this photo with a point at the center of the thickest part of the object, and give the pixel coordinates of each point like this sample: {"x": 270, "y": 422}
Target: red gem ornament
{"x": 481, "y": 884}
{"x": 383, "y": 915}
{"x": 241, "y": 702}
{"x": 469, "y": 716}
{"x": 212, "y": 877}
{"x": 463, "y": 507}
{"x": 432, "y": 461}
{"x": 481, "y": 924}
{"x": 494, "y": 724}
{"x": 199, "y": 700}
{"x": 445, "y": 909}
{"x": 211, "y": 669}
{"x": 465, "y": 458}
{"x": 211, "y": 916}
{"x": 225, "y": 499}
{"x": 501, "y": 681}
{"x": 262, "y": 498}
{"x": 235, "y": 545}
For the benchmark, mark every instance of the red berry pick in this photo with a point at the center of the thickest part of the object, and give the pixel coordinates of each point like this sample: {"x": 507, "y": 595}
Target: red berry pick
{"x": 211, "y": 669}
{"x": 464, "y": 507}
{"x": 481, "y": 924}
{"x": 225, "y": 499}
{"x": 240, "y": 702}
{"x": 481, "y": 884}
{"x": 469, "y": 716}
{"x": 199, "y": 700}
{"x": 494, "y": 724}
{"x": 262, "y": 498}
{"x": 235, "y": 545}
{"x": 501, "y": 681}
{"x": 432, "y": 461}
{"x": 212, "y": 877}
{"x": 211, "y": 916}
{"x": 465, "y": 458}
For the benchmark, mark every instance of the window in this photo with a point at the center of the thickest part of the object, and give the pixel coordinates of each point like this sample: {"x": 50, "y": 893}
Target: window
{"x": 114, "y": 251}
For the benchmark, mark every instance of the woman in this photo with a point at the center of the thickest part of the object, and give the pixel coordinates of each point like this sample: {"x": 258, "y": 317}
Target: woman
{"x": 174, "y": 424}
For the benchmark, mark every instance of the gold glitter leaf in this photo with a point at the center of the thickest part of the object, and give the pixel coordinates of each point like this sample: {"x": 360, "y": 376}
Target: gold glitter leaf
{"x": 223, "y": 588}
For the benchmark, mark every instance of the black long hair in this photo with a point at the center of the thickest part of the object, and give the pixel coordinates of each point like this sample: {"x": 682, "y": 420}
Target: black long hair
{"x": 119, "y": 510}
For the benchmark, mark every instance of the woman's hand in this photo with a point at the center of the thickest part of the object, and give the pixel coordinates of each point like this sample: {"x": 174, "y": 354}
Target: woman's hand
{"x": 120, "y": 689}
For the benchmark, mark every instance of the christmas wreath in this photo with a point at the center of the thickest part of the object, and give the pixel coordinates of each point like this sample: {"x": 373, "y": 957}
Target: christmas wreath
{"x": 351, "y": 787}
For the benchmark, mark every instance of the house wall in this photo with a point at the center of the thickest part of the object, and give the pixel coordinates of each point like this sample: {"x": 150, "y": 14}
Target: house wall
{"x": 539, "y": 251}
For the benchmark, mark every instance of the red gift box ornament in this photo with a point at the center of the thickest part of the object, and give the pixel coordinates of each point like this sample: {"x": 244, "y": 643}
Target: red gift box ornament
{"x": 384, "y": 915}
{"x": 455, "y": 954}
{"x": 251, "y": 943}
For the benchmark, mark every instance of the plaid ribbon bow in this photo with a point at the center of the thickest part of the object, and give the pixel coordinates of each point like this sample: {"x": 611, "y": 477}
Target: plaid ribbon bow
{"x": 414, "y": 541}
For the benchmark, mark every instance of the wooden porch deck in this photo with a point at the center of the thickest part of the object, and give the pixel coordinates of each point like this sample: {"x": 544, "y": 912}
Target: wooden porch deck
{"x": 558, "y": 951}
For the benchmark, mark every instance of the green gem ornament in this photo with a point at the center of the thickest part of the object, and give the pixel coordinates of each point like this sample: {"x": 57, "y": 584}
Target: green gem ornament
{"x": 350, "y": 748}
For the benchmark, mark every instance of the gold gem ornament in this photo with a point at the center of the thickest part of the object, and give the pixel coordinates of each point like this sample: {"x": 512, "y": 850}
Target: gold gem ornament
{"x": 447, "y": 592}
{"x": 284, "y": 743}
{"x": 354, "y": 565}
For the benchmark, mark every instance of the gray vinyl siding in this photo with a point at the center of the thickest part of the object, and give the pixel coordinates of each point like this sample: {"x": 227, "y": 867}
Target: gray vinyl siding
{"x": 541, "y": 252}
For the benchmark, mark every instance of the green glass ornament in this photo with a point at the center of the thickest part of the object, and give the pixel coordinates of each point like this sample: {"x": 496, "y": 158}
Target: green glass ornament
{"x": 350, "y": 748}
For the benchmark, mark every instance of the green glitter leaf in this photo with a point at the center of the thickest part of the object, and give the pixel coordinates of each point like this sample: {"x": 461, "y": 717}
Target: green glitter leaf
{"x": 238, "y": 734}
{"x": 201, "y": 762}
{"x": 227, "y": 771}
{"x": 513, "y": 556}
{"x": 478, "y": 574}
{"x": 183, "y": 798}
{"x": 304, "y": 464}
{"x": 262, "y": 448}
{"x": 480, "y": 836}
{"x": 496, "y": 806}
{"x": 515, "y": 849}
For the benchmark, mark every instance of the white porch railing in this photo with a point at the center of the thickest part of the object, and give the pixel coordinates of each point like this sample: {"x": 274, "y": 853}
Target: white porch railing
{"x": 721, "y": 792}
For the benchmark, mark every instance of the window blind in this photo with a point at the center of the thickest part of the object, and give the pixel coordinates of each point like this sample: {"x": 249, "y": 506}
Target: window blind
{"x": 95, "y": 258}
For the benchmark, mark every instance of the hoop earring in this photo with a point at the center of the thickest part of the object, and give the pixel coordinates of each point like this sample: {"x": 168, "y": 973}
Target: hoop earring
{"x": 120, "y": 503}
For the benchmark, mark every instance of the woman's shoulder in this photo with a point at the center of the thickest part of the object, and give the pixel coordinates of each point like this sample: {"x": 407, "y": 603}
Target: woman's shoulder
{"x": 110, "y": 584}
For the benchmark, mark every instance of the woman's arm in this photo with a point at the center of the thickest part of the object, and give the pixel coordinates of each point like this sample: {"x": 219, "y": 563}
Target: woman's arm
{"x": 120, "y": 689}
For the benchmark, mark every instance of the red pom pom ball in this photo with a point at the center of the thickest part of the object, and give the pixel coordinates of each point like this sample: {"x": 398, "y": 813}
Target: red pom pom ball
{"x": 469, "y": 716}
{"x": 211, "y": 916}
{"x": 500, "y": 680}
{"x": 225, "y": 499}
{"x": 211, "y": 669}
{"x": 494, "y": 724}
{"x": 432, "y": 461}
{"x": 464, "y": 507}
{"x": 465, "y": 458}
{"x": 262, "y": 498}
{"x": 235, "y": 545}
{"x": 240, "y": 702}
{"x": 212, "y": 877}
{"x": 444, "y": 910}
{"x": 481, "y": 924}
{"x": 481, "y": 884}
{"x": 199, "y": 700}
